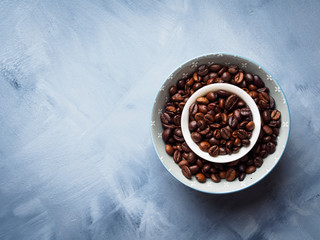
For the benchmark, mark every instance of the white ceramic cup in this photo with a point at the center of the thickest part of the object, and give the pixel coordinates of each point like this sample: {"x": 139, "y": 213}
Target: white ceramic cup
{"x": 203, "y": 92}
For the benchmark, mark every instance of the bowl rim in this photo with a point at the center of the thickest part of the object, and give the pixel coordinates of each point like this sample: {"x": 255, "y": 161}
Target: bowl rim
{"x": 232, "y": 89}
{"x": 229, "y": 55}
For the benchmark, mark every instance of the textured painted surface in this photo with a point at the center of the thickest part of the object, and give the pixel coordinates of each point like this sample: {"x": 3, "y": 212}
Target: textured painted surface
{"x": 78, "y": 80}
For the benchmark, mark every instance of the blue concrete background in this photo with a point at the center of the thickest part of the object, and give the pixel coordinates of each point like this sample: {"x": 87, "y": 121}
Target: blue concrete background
{"x": 77, "y": 84}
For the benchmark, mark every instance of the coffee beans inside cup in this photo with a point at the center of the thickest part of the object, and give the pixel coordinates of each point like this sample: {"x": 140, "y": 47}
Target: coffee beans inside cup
{"x": 220, "y": 123}
{"x": 235, "y": 130}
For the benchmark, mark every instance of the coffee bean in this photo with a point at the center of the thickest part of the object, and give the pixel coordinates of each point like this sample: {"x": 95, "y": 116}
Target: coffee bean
{"x": 208, "y": 118}
{"x": 165, "y": 118}
{"x": 239, "y": 78}
{"x": 183, "y": 163}
{"x": 237, "y": 114}
{"x": 258, "y": 161}
{"x": 245, "y": 112}
{"x": 270, "y": 147}
{"x": 222, "y": 174}
{"x": 169, "y": 149}
{"x": 263, "y": 154}
{"x": 248, "y": 77}
{"x": 223, "y": 93}
{"x": 193, "y": 125}
{"x": 201, "y": 177}
{"x": 257, "y": 81}
{"x": 194, "y": 169}
{"x": 203, "y": 70}
{"x": 222, "y": 103}
{"x": 250, "y": 169}
{"x": 196, "y": 86}
{"x": 177, "y": 120}
{"x": 203, "y": 108}
{"x": 196, "y": 137}
{"x": 231, "y": 174}
{"x": 213, "y": 75}
{"x": 181, "y": 83}
{"x": 266, "y": 116}
{"x": 241, "y": 104}
{"x": 199, "y": 116}
{"x": 185, "y": 147}
{"x": 215, "y": 177}
{"x": 253, "y": 94}
{"x": 215, "y": 67}
{"x": 202, "y": 100}
{"x": 224, "y": 119}
{"x": 193, "y": 109}
{"x": 245, "y": 142}
{"x": 177, "y": 157}
{"x": 173, "y": 90}
{"x": 204, "y": 146}
{"x": 242, "y": 134}
{"x": 225, "y": 133}
{"x": 263, "y": 96}
{"x": 267, "y": 129}
{"x": 226, "y": 76}
{"x": 275, "y": 115}
{"x": 213, "y": 151}
{"x": 192, "y": 157}
{"x": 272, "y": 103}
{"x": 242, "y": 176}
{"x": 206, "y": 167}
{"x": 222, "y": 70}
{"x": 177, "y": 97}
{"x": 186, "y": 171}
{"x": 233, "y": 122}
{"x": 222, "y": 151}
{"x": 166, "y": 134}
{"x": 231, "y": 102}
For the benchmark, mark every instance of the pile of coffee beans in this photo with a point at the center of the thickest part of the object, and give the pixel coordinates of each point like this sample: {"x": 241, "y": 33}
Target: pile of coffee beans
{"x": 188, "y": 161}
{"x": 220, "y": 123}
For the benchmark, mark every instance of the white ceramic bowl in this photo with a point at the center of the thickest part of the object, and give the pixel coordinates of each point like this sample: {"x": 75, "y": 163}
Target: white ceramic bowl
{"x": 163, "y": 95}
{"x": 213, "y": 88}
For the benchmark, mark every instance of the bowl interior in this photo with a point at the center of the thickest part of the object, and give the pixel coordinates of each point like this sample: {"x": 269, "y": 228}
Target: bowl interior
{"x": 213, "y": 88}
{"x": 183, "y": 72}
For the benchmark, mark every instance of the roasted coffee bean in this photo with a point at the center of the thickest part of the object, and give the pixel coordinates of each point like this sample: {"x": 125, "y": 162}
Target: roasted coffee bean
{"x": 231, "y": 102}
{"x": 270, "y": 147}
{"x": 208, "y": 118}
{"x": 212, "y": 96}
{"x": 186, "y": 171}
{"x": 196, "y": 86}
{"x": 245, "y": 142}
{"x": 177, "y": 132}
{"x": 222, "y": 174}
{"x": 241, "y": 104}
{"x": 263, "y": 154}
{"x": 222, "y": 151}
{"x": 237, "y": 114}
{"x": 272, "y": 103}
{"x": 242, "y": 168}
{"x": 275, "y": 131}
{"x": 250, "y": 126}
{"x": 203, "y": 108}
{"x": 201, "y": 124}
{"x": 193, "y": 125}
{"x": 275, "y": 115}
{"x": 266, "y": 139}
{"x": 213, "y": 151}
{"x": 258, "y": 162}
{"x": 264, "y": 89}
{"x": 165, "y": 118}
{"x": 213, "y": 75}
{"x": 204, "y": 146}
{"x": 199, "y": 116}
{"x": 257, "y": 81}
{"x": 214, "y": 141}
{"x": 222, "y": 103}
{"x": 237, "y": 142}
{"x": 166, "y": 134}
{"x": 233, "y": 122}
{"x": 242, "y": 176}
{"x": 215, "y": 177}
{"x": 196, "y": 137}
{"x": 267, "y": 129}
{"x": 201, "y": 177}
{"x": 266, "y": 116}
{"x": 223, "y": 93}
{"x": 173, "y": 90}
{"x": 231, "y": 174}
{"x": 222, "y": 70}
{"x": 181, "y": 83}
{"x": 185, "y": 147}
{"x": 205, "y": 131}
{"x": 245, "y": 112}
{"x": 226, "y": 76}
{"x": 177, "y": 97}
{"x": 178, "y": 139}
{"x": 242, "y": 134}
{"x": 248, "y": 77}
{"x": 215, "y": 67}
{"x": 203, "y": 70}
{"x": 177, "y": 120}
{"x": 177, "y": 157}
{"x": 183, "y": 163}
{"x": 206, "y": 167}
{"x": 239, "y": 78}
{"x": 215, "y": 125}
{"x": 169, "y": 149}
{"x": 263, "y": 96}
{"x": 217, "y": 133}
{"x": 193, "y": 109}
{"x": 225, "y": 133}
{"x": 224, "y": 119}
{"x": 202, "y": 100}
{"x": 250, "y": 169}
{"x": 194, "y": 169}
{"x": 254, "y": 94}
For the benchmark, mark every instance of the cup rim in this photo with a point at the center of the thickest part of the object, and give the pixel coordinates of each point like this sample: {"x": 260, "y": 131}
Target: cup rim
{"x": 232, "y": 89}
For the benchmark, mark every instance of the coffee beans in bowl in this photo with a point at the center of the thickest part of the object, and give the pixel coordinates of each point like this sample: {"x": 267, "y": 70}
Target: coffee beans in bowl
{"x": 172, "y": 146}
{"x": 220, "y": 123}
